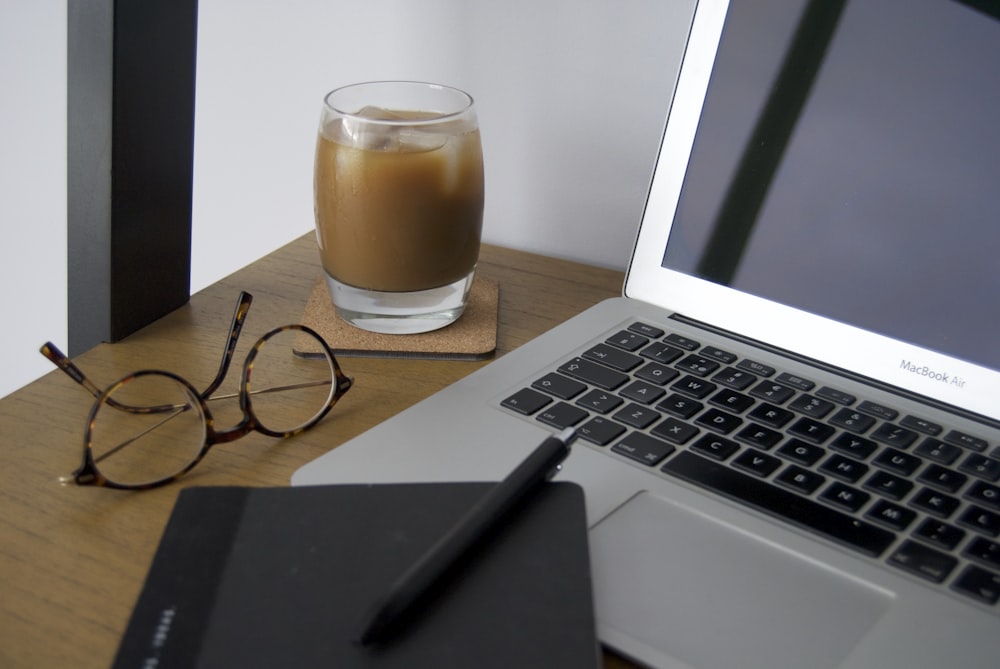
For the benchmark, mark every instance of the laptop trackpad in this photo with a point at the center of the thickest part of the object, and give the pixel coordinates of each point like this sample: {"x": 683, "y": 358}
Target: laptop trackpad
{"x": 708, "y": 595}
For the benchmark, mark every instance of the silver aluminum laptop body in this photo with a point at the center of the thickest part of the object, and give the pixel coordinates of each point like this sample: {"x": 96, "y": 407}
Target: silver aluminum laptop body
{"x": 869, "y": 274}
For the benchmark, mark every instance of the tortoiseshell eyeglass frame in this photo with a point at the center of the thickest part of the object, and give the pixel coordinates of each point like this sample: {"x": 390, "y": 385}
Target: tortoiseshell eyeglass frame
{"x": 89, "y": 475}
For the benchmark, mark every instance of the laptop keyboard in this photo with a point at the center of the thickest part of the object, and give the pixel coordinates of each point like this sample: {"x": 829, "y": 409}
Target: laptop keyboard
{"x": 920, "y": 497}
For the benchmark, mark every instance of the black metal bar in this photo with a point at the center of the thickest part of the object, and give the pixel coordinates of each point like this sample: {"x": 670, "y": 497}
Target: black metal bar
{"x": 130, "y": 132}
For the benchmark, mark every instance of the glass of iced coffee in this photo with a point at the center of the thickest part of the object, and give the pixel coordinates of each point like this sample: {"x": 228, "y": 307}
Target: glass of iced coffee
{"x": 398, "y": 189}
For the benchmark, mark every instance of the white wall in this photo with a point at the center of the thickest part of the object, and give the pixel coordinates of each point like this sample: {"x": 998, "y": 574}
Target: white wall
{"x": 571, "y": 96}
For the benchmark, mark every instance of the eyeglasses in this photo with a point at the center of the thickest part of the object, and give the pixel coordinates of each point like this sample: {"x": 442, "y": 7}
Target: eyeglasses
{"x": 151, "y": 427}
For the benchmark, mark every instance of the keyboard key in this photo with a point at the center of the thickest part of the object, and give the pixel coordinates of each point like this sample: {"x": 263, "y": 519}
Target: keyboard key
{"x": 594, "y": 374}
{"x": 894, "y": 435}
{"x": 878, "y": 410}
{"x": 646, "y": 330}
{"x": 844, "y": 496}
{"x": 561, "y": 415}
{"x": 978, "y": 583}
{"x": 845, "y": 469}
{"x": 891, "y": 515}
{"x": 805, "y": 513}
{"x": 757, "y": 463}
{"x": 855, "y": 421}
{"x": 814, "y": 407}
{"x": 938, "y": 451}
{"x": 940, "y": 534}
{"x": 698, "y": 365}
{"x": 682, "y": 407}
{"x": 660, "y": 352}
{"x": 755, "y": 367}
{"x": 683, "y": 342}
{"x": 629, "y": 341}
{"x": 801, "y": 452}
{"x": 980, "y": 520}
{"x": 732, "y": 400}
{"x": 560, "y": 386}
{"x": 770, "y": 415}
{"x": 797, "y": 382}
{"x": 838, "y": 396}
{"x": 935, "y": 503}
{"x": 801, "y": 480}
{"x": 981, "y": 466}
{"x": 643, "y": 448}
{"x": 526, "y": 401}
{"x": 613, "y": 357}
{"x": 599, "y": 430}
{"x": 811, "y": 430}
{"x": 854, "y": 446}
{"x": 923, "y": 561}
{"x": 983, "y": 550}
{"x": 772, "y": 392}
{"x": 966, "y": 441}
{"x": 756, "y": 435}
{"x": 921, "y": 425}
{"x": 984, "y": 493}
{"x": 725, "y": 357}
{"x": 734, "y": 378}
{"x": 719, "y": 421}
{"x": 675, "y": 431}
{"x": 695, "y": 387}
{"x": 599, "y": 401}
{"x": 890, "y": 486}
{"x": 717, "y": 448}
{"x": 657, "y": 373}
{"x": 942, "y": 478}
{"x": 636, "y": 415}
{"x": 640, "y": 391}
{"x": 898, "y": 462}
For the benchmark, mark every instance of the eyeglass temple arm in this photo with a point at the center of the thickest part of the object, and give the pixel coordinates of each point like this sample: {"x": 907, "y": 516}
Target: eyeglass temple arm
{"x": 239, "y": 316}
{"x": 60, "y": 360}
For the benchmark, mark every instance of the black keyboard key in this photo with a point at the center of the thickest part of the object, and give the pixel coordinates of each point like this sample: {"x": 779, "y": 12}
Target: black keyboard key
{"x": 938, "y": 451}
{"x": 984, "y": 551}
{"x": 757, "y": 435}
{"x": 940, "y": 534}
{"x": 594, "y": 374}
{"x": 844, "y": 496}
{"x": 797, "y": 382}
{"x": 799, "y": 479}
{"x": 697, "y": 365}
{"x": 985, "y": 494}
{"x": 838, "y": 396}
{"x": 757, "y": 463}
{"x": 878, "y": 410}
{"x": 935, "y": 503}
{"x": 978, "y": 583}
{"x": 526, "y": 401}
{"x": 923, "y": 561}
{"x": 981, "y": 467}
{"x": 921, "y": 425}
{"x": 734, "y": 378}
{"x": 717, "y": 448}
{"x": 660, "y": 352}
{"x": 966, "y": 440}
{"x": 646, "y": 330}
{"x": 754, "y": 367}
{"x": 562, "y": 387}
{"x": 854, "y": 421}
{"x": 657, "y": 373}
{"x": 814, "y": 407}
{"x": 680, "y": 406}
{"x": 629, "y": 341}
{"x": 643, "y": 448}
{"x": 897, "y": 462}
{"x": 801, "y": 452}
{"x": 725, "y": 357}
{"x": 980, "y": 520}
{"x": 612, "y": 357}
{"x": 719, "y": 421}
{"x": 601, "y": 431}
{"x": 894, "y": 435}
{"x": 823, "y": 520}
{"x": 845, "y": 469}
{"x": 772, "y": 392}
{"x": 888, "y": 485}
{"x": 599, "y": 401}
{"x": 891, "y": 515}
{"x": 695, "y": 387}
{"x": 683, "y": 342}
{"x": 640, "y": 391}
{"x": 770, "y": 415}
{"x": 811, "y": 430}
{"x": 856, "y": 447}
{"x": 636, "y": 415}
{"x": 942, "y": 478}
{"x": 731, "y": 400}
{"x": 561, "y": 415}
{"x": 674, "y": 431}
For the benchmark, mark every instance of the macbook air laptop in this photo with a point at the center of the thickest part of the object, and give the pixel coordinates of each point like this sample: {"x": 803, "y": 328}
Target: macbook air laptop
{"x": 789, "y": 435}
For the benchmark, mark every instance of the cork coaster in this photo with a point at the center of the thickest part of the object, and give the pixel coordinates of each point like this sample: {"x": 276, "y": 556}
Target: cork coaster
{"x": 472, "y": 337}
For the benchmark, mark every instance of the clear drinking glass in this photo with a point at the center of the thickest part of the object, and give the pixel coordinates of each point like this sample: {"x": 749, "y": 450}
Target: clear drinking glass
{"x": 398, "y": 189}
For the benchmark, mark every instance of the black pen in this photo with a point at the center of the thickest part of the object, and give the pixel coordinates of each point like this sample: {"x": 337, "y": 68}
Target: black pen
{"x": 419, "y": 580}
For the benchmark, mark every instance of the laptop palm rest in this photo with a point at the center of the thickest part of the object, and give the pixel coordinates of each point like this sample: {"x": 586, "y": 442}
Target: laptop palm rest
{"x": 752, "y": 604}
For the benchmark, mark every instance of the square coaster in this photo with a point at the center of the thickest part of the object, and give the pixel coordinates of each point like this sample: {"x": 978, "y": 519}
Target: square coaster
{"x": 472, "y": 337}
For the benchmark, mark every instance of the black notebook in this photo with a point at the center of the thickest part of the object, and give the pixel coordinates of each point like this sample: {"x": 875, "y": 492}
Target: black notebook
{"x": 267, "y": 577}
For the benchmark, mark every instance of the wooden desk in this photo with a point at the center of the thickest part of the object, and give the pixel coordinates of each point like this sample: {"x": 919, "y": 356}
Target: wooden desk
{"x": 72, "y": 559}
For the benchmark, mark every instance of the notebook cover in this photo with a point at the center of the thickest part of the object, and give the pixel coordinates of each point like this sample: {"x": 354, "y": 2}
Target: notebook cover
{"x": 266, "y": 577}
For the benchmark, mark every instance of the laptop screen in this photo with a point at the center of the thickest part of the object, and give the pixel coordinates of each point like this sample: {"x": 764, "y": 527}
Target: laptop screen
{"x": 847, "y": 163}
